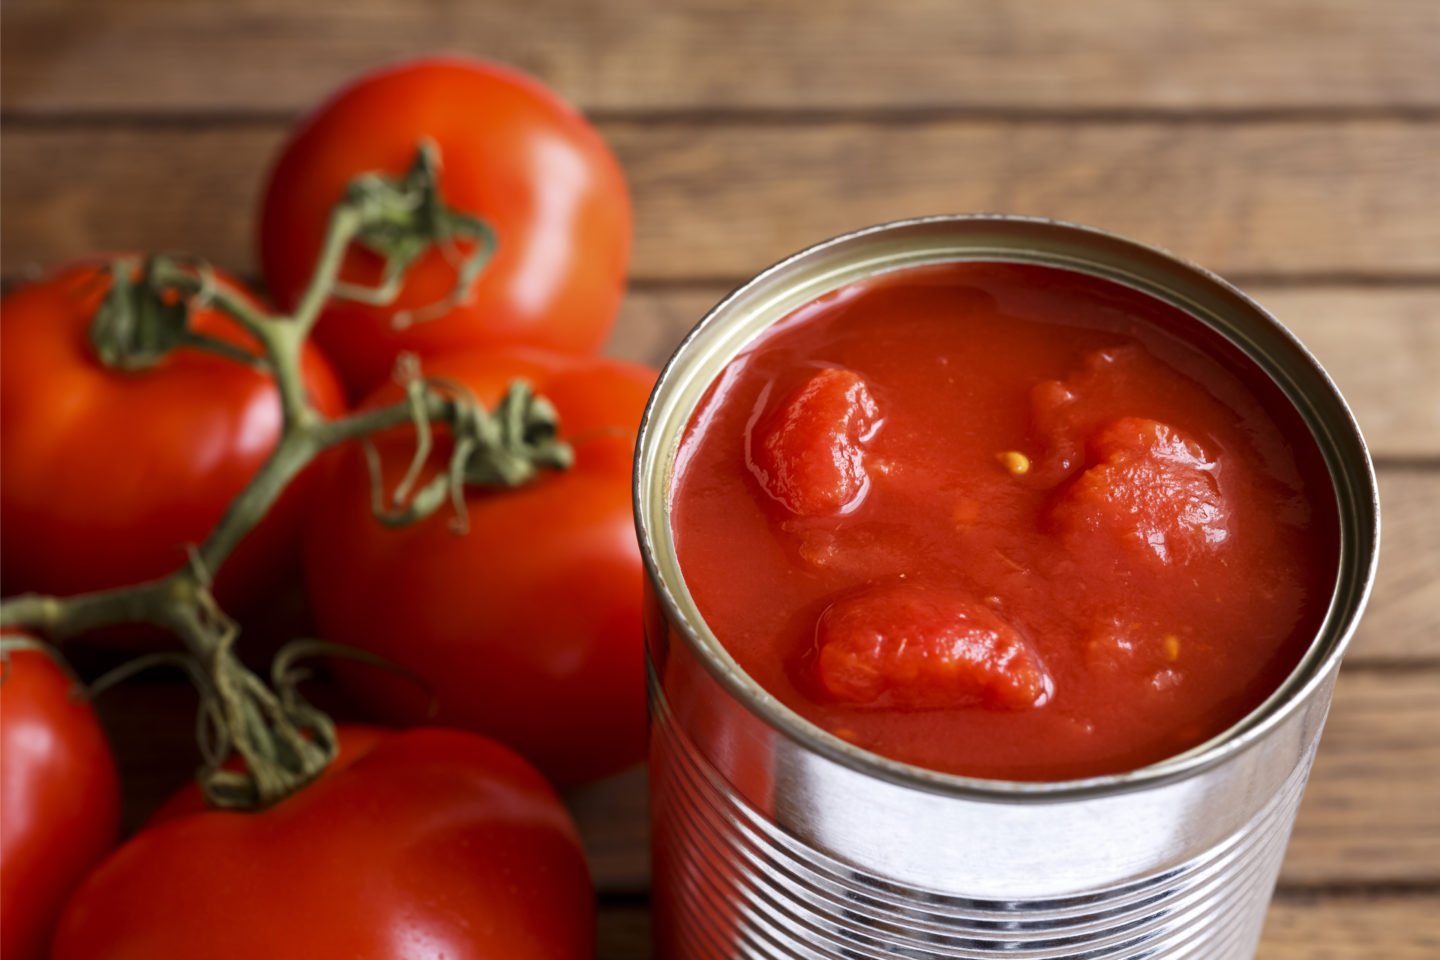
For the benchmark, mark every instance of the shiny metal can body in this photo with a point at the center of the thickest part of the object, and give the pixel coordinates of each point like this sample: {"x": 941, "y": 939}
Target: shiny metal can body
{"x": 773, "y": 839}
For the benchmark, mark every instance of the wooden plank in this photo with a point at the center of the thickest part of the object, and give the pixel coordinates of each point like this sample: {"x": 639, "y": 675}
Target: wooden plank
{"x": 1300, "y": 198}
{"x": 154, "y": 55}
{"x": 1369, "y": 814}
{"x": 1380, "y": 344}
{"x": 1327, "y": 927}
{"x": 1311, "y": 199}
{"x": 1359, "y": 927}
{"x": 1403, "y": 620}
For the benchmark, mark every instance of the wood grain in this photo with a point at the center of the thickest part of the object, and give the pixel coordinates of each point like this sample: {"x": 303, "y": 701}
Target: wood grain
{"x": 1262, "y": 198}
{"x": 721, "y": 201}
{"x": 1383, "y": 729}
{"x": 1382, "y": 347}
{"x": 1395, "y": 927}
{"x": 277, "y": 55}
{"x": 1403, "y": 621}
{"x": 1327, "y": 927}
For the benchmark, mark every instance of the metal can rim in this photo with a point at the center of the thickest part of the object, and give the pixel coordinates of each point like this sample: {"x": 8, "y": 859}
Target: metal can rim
{"x": 1308, "y": 674}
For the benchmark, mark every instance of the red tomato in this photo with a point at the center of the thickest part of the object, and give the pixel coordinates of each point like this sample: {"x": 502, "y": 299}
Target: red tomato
{"x": 436, "y": 843}
{"x": 513, "y": 154}
{"x": 528, "y": 627}
{"x": 59, "y": 799}
{"x": 106, "y": 475}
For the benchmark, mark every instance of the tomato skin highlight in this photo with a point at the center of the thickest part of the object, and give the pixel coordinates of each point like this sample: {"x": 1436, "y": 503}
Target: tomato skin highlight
{"x": 59, "y": 799}
{"x": 512, "y": 153}
{"x": 107, "y": 475}
{"x": 434, "y": 843}
{"x": 528, "y": 627}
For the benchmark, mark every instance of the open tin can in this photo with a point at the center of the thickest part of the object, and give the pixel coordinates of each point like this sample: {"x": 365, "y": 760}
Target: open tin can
{"x": 773, "y": 838}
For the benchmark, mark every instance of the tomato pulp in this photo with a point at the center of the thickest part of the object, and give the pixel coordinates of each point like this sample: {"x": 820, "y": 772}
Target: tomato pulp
{"x": 1005, "y": 521}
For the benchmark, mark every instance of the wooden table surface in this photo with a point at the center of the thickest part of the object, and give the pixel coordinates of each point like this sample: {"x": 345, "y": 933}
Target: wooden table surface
{"x": 1293, "y": 145}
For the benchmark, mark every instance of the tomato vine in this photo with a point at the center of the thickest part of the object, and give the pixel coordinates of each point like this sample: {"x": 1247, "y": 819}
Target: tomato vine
{"x": 284, "y": 741}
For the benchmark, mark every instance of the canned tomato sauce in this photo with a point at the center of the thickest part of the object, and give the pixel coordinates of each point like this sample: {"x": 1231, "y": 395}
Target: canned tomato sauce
{"x": 1000, "y": 572}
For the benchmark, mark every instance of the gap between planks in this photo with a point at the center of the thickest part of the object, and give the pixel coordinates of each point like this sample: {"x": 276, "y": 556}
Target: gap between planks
{"x": 17, "y": 119}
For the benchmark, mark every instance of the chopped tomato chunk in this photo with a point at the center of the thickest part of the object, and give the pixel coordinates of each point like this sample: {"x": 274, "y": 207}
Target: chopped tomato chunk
{"x": 920, "y": 648}
{"x": 1150, "y": 489}
{"x": 808, "y": 453}
{"x": 1065, "y": 412}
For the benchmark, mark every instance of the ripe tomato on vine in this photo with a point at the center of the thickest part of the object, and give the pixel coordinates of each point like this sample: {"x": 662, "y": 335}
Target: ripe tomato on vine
{"x": 108, "y": 472}
{"x": 428, "y": 843}
{"x": 526, "y": 626}
{"x": 514, "y": 155}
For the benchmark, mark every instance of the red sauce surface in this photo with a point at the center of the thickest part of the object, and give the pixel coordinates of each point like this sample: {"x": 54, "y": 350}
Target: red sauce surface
{"x": 1005, "y": 521}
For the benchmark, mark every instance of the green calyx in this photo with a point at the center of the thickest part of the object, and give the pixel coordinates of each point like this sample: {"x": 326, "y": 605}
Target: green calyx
{"x": 283, "y": 741}
{"x": 510, "y": 445}
{"x": 146, "y": 313}
{"x": 402, "y": 218}
{"x": 503, "y": 448}
{"x": 137, "y": 325}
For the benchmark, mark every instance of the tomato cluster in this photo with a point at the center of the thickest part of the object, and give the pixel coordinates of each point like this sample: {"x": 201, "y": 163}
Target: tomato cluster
{"x": 518, "y": 610}
{"x": 106, "y": 475}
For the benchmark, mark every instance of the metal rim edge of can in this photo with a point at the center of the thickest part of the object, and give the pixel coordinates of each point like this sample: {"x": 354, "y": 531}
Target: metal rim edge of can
{"x": 1312, "y": 669}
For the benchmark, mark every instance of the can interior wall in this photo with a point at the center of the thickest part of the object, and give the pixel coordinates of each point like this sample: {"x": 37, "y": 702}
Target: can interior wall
{"x": 773, "y": 838}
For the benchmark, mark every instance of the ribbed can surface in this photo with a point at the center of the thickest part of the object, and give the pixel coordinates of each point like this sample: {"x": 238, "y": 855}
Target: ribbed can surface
{"x": 773, "y": 839}
{"x": 730, "y": 883}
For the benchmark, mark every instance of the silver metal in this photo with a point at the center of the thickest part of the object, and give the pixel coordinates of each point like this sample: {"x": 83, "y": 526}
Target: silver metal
{"x": 774, "y": 839}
